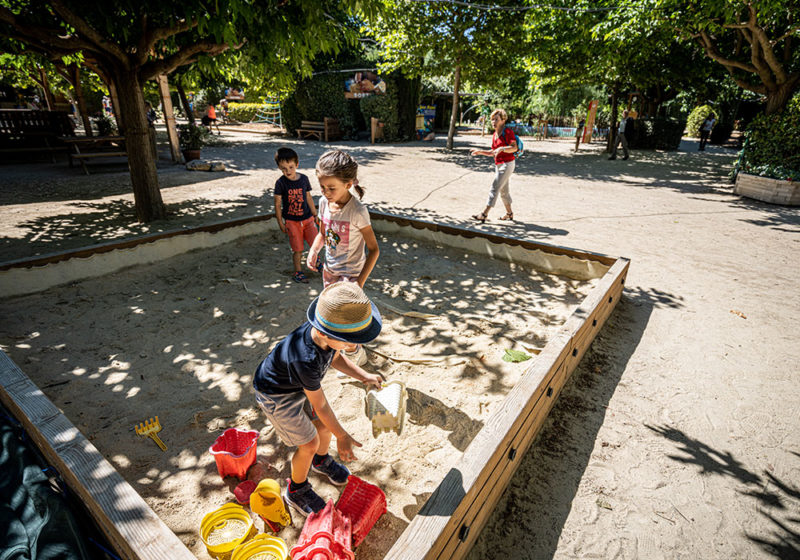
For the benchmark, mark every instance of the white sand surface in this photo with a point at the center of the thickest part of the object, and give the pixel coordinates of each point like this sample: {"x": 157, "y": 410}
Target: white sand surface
{"x": 180, "y": 339}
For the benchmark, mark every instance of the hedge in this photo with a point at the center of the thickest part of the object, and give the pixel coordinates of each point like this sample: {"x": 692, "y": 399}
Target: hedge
{"x": 323, "y": 96}
{"x": 243, "y": 112}
{"x": 657, "y": 134}
{"x": 696, "y": 118}
{"x": 384, "y": 108}
{"x": 772, "y": 144}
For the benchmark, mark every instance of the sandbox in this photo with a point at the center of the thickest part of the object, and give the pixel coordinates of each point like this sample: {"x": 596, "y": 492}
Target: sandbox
{"x": 179, "y": 338}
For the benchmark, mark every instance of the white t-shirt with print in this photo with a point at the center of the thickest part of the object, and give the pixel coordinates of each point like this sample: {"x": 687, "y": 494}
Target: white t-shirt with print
{"x": 344, "y": 245}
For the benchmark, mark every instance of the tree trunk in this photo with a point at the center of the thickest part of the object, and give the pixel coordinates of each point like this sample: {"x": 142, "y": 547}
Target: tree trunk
{"x": 184, "y": 102}
{"x": 454, "y": 113}
{"x": 612, "y": 130}
{"x": 75, "y": 74}
{"x": 144, "y": 178}
{"x": 778, "y": 98}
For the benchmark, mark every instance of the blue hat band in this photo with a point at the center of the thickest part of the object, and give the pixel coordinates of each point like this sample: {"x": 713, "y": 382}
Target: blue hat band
{"x": 343, "y": 327}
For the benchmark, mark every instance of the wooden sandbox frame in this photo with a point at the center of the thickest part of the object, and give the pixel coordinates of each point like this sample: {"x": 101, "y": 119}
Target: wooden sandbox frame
{"x": 451, "y": 519}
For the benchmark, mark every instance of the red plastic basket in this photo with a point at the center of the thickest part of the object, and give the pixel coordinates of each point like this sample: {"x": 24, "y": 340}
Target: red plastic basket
{"x": 235, "y": 452}
{"x": 363, "y": 504}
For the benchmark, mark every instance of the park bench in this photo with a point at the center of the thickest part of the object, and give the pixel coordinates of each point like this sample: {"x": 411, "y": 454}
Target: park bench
{"x": 89, "y": 148}
{"x": 24, "y": 130}
{"x": 327, "y": 129}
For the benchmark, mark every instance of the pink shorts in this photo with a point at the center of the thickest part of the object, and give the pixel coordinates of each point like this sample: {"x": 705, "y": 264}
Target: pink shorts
{"x": 301, "y": 231}
{"x": 329, "y": 278}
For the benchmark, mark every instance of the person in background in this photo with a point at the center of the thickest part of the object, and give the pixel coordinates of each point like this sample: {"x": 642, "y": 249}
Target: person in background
{"x": 705, "y": 130}
{"x": 504, "y": 146}
{"x": 579, "y": 133}
{"x": 625, "y": 128}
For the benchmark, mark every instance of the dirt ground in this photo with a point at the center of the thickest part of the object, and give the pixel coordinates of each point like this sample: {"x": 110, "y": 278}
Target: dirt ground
{"x": 677, "y": 436}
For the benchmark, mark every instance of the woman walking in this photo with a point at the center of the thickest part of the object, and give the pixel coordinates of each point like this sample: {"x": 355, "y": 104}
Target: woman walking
{"x": 504, "y": 145}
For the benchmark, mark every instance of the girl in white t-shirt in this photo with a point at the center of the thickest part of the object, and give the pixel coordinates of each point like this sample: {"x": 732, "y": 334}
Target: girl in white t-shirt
{"x": 345, "y": 230}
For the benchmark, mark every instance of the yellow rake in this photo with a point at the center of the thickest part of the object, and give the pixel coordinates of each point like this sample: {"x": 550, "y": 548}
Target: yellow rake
{"x": 150, "y": 428}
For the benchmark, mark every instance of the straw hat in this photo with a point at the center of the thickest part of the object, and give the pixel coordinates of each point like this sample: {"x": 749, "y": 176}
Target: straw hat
{"x": 344, "y": 312}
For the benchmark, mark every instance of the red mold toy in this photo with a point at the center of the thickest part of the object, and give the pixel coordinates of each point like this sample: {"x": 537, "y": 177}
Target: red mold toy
{"x": 235, "y": 452}
{"x": 326, "y": 536}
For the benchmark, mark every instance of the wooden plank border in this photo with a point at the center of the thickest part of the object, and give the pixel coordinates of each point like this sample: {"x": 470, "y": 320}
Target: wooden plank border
{"x": 451, "y": 519}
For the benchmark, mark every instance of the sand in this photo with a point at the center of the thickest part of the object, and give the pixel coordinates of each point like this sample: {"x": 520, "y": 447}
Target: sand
{"x": 678, "y": 435}
{"x": 180, "y": 339}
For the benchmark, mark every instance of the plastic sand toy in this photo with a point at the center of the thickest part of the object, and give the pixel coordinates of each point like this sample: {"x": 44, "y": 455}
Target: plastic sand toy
{"x": 387, "y": 408}
{"x": 150, "y": 428}
{"x": 362, "y": 504}
{"x": 262, "y": 547}
{"x": 325, "y": 536}
{"x": 224, "y": 529}
{"x": 266, "y": 501}
{"x": 243, "y": 491}
{"x": 235, "y": 452}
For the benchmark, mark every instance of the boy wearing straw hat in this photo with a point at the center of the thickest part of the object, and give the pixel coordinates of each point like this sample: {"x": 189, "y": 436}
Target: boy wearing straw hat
{"x": 289, "y": 391}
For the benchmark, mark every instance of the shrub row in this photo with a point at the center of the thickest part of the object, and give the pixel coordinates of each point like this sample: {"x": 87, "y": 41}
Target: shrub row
{"x": 772, "y": 144}
{"x": 657, "y": 134}
{"x": 242, "y": 112}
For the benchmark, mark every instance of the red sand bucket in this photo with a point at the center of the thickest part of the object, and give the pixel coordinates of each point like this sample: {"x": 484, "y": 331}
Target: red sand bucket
{"x": 325, "y": 536}
{"x": 363, "y": 504}
{"x": 235, "y": 452}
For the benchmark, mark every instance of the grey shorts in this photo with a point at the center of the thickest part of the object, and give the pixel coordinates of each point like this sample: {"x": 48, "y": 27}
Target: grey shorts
{"x": 291, "y": 415}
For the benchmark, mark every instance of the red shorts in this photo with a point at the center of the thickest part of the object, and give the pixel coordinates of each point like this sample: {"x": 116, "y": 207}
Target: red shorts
{"x": 301, "y": 231}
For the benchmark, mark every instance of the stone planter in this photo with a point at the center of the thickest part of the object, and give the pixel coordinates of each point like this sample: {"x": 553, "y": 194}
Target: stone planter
{"x": 774, "y": 191}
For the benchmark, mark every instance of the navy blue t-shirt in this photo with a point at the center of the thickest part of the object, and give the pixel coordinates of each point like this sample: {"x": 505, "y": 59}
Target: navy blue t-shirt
{"x": 296, "y": 363}
{"x": 294, "y": 203}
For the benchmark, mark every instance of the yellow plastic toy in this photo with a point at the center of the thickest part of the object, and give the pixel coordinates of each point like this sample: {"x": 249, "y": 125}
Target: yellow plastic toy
{"x": 262, "y": 547}
{"x": 267, "y": 502}
{"x": 224, "y": 529}
{"x": 150, "y": 428}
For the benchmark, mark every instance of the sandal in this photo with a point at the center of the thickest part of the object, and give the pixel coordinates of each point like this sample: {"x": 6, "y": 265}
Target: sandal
{"x": 480, "y": 217}
{"x": 509, "y": 216}
{"x": 300, "y": 278}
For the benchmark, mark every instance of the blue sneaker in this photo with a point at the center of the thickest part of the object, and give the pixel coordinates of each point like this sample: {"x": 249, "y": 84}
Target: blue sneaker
{"x": 336, "y": 472}
{"x": 305, "y": 501}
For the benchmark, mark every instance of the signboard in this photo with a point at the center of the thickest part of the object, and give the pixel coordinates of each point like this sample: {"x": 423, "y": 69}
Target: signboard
{"x": 589, "y": 126}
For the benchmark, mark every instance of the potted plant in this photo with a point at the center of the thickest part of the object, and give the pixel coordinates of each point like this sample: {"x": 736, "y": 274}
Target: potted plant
{"x": 192, "y": 138}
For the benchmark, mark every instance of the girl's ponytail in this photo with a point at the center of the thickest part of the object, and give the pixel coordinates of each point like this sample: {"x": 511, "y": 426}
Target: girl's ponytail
{"x": 359, "y": 189}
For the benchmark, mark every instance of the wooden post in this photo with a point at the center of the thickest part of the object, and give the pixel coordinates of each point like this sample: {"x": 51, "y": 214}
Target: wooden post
{"x": 75, "y": 73}
{"x": 169, "y": 118}
{"x": 48, "y": 95}
{"x": 112, "y": 90}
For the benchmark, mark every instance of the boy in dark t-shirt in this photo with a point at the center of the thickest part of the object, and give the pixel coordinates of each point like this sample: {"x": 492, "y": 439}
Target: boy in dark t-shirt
{"x": 294, "y": 207}
{"x": 288, "y": 387}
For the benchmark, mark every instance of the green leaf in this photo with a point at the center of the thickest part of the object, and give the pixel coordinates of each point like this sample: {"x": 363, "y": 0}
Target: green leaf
{"x": 515, "y": 356}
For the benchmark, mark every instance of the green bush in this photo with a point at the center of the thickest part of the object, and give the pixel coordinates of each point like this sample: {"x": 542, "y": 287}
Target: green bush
{"x": 384, "y": 108}
{"x": 290, "y": 114}
{"x": 772, "y": 145}
{"x": 243, "y": 112}
{"x": 657, "y": 133}
{"x": 696, "y": 118}
{"x": 323, "y": 96}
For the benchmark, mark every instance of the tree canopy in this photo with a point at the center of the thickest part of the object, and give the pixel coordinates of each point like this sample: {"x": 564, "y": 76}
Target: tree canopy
{"x": 130, "y": 41}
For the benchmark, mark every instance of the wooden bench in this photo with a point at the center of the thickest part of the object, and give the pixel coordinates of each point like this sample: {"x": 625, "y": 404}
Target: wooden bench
{"x": 327, "y": 129}
{"x": 24, "y": 130}
{"x": 83, "y": 148}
